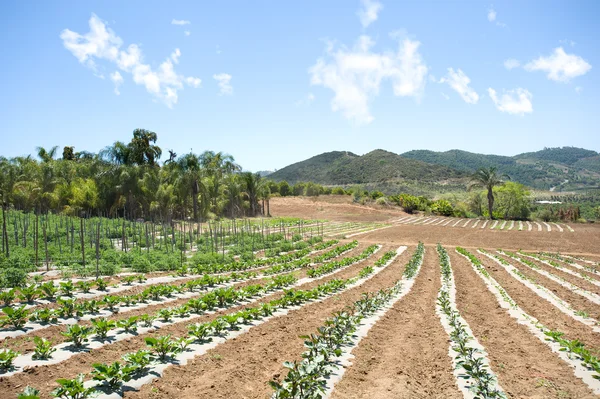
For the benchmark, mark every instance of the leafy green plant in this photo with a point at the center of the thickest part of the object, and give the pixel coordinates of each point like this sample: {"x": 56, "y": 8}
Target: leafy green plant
{"x": 77, "y": 334}
{"x": 200, "y": 331}
{"x": 44, "y": 316}
{"x": 66, "y": 288}
{"x": 138, "y": 361}
{"x": 43, "y": 349}
{"x": 128, "y": 280}
{"x": 49, "y": 290}
{"x": 7, "y": 297}
{"x": 129, "y": 325}
{"x": 84, "y": 286}
{"x": 68, "y": 308}
{"x": 147, "y": 320}
{"x": 29, "y": 393}
{"x": 102, "y": 327}
{"x": 29, "y": 293}
{"x": 101, "y": 284}
{"x": 16, "y": 317}
{"x": 112, "y": 375}
{"x": 112, "y": 302}
{"x": 73, "y": 389}
{"x": 7, "y": 356}
{"x": 165, "y": 314}
{"x": 163, "y": 346}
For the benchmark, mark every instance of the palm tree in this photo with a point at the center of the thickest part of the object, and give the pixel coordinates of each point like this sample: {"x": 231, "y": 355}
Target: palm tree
{"x": 487, "y": 179}
{"x": 45, "y": 155}
{"x": 254, "y": 184}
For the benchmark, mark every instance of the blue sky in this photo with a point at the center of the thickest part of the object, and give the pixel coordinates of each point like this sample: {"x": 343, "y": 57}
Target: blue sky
{"x": 277, "y": 82}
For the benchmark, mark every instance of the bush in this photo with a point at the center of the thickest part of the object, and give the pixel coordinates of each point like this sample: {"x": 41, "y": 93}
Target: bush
{"x": 442, "y": 207}
{"x": 13, "y": 277}
{"x": 338, "y": 191}
{"x": 141, "y": 265}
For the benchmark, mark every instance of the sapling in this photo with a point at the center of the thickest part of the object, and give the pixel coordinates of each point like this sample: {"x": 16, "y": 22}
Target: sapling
{"x": 165, "y": 314}
{"x": 163, "y": 346}
{"x": 128, "y": 280}
{"x": 147, "y": 320}
{"x": 43, "y": 349}
{"x": 138, "y": 361}
{"x": 200, "y": 331}
{"x": 66, "y": 288}
{"x": 101, "y": 284}
{"x": 84, "y": 286}
{"x": 112, "y": 302}
{"x": 7, "y": 297}
{"x": 44, "y": 316}
{"x": 49, "y": 290}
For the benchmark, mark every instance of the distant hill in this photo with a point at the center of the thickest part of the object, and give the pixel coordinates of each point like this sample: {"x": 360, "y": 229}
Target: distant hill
{"x": 565, "y": 168}
{"x": 345, "y": 168}
{"x": 568, "y": 167}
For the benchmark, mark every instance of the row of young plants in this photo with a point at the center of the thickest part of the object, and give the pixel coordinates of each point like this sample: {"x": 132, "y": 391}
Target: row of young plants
{"x": 544, "y": 293}
{"x": 304, "y": 262}
{"x": 17, "y": 317}
{"x": 79, "y": 336}
{"x": 558, "y": 279}
{"x": 558, "y": 266}
{"x": 329, "y": 267}
{"x": 469, "y": 358}
{"x": 589, "y": 265}
{"x": 109, "y": 378}
{"x": 311, "y": 377}
{"x": 574, "y": 352}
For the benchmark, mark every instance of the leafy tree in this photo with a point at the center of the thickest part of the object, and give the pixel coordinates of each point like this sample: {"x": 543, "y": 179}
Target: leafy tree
{"x": 487, "y": 178}
{"x": 284, "y": 188}
{"x": 513, "y": 201}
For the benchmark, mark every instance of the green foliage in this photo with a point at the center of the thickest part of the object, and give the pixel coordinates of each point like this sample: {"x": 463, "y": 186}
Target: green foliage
{"x": 73, "y": 389}
{"x": 15, "y": 317}
{"x": 442, "y": 207}
{"x": 7, "y": 356}
{"x": 43, "y": 349}
{"x": 29, "y": 393}
{"x": 13, "y": 277}
{"x": 112, "y": 375}
{"x": 77, "y": 334}
{"x": 512, "y": 201}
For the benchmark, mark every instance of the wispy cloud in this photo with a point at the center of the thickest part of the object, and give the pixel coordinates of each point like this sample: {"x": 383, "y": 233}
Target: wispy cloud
{"x": 511, "y": 63}
{"x": 117, "y": 79}
{"x": 355, "y": 75}
{"x": 516, "y": 102}
{"x": 560, "y": 66}
{"x": 180, "y": 22}
{"x": 223, "y": 80}
{"x": 459, "y": 82}
{"x": 187, "y": 33}
{"x": 369, "y": 12}
{"x": 101, "y": 43}
{"x": 491, "y": 16}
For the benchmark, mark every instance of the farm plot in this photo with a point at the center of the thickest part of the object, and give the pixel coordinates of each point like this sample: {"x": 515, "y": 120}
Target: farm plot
{"x": 506, "y": 225}
{"x": 375, "y": 320}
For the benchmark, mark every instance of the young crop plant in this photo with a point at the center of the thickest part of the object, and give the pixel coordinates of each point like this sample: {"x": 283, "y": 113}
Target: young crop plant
{"x": 7, "y": 356}
{"x": 113, "y": 375}
{"x": 73, "y": 389}
{"x": 29, "y": 293}
{"x": 112, "y": 303}
{"x": 8, "y": 297}
{"x": 200, "y": 331}
{"x": 147, "y": 320}
{"x": 29, "y": 393}
{"x": 101, "y": 284}
{"x": 44, "y": 316}
{"x": 68, "y": 308}
{"x": 77, "y": 334}
{"x": 102, "y": 326}
{"x": 66, "y": 288}
{"x": 138, "y": 361}
{"x": 84, "y": 286}
{"x": 15, "y": 317}
{"x": 163, "y": 347}
{"x": 128, "y": 325}
{"x": 43, "y": 349}
{"x": 415, "y": 262}
{"x": 49, "y": 290}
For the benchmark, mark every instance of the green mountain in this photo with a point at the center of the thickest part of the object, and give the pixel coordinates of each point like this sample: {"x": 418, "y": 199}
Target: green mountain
{"x": 378, "y": 166}
{"x": 569, "y": 168}
{"x": 566, "y": 168}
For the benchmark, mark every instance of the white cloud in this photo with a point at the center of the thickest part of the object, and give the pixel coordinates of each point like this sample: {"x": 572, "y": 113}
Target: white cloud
{"x": 491, "y": 15}
{"x": 511, "y": 63}
{"x": 117, "y": 80}
{"x": 368, "y": 13}
{"x": 459, "y": 82}
{"x": 517, "y": 101}
{"x": 187, "y": 33}
{"x": 224, "y": 79}
{"x": 101, "y": 43}
{"x": 193, "y": 82}
{"x": 355, "y": 75}
{"x": 560, "y": 66}
{"x": 180, "y": 22}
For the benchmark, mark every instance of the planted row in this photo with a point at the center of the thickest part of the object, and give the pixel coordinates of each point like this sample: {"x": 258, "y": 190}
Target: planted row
{"x": 331, "y": 266}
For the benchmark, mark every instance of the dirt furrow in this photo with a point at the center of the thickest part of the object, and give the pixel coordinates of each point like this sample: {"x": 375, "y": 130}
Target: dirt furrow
{"x": 44, "y": 377}
{"x": 526, "y": 368}
{"x": 405, "y": 355}
{"x": 254, "y": 358}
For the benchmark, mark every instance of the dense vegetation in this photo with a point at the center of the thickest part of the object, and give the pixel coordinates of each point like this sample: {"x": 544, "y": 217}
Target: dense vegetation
{"x": 346, "y": 168}
{"x": 566, "y": 167}
{"x": 126, "y": 180}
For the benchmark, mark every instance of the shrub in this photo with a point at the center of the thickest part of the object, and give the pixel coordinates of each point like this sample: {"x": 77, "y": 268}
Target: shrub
{"x": 13, "y": 277}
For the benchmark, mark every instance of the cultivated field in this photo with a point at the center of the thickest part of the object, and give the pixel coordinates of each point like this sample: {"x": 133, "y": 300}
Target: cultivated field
{"x": 374, "y": 309}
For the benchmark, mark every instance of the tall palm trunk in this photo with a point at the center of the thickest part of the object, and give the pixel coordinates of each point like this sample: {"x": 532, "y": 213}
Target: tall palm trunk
{"x": 490, "y": 197}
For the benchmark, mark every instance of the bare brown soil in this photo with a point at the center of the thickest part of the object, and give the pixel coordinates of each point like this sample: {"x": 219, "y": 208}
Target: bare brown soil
{"x": 43, "y": 377}
{"x": 405, "y": 355}
{"x": 526, "y": 368}
{"x": 241, "y": 368}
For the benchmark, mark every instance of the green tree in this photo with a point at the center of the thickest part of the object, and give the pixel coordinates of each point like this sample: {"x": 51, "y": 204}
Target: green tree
{"x": 487, "y": 178}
